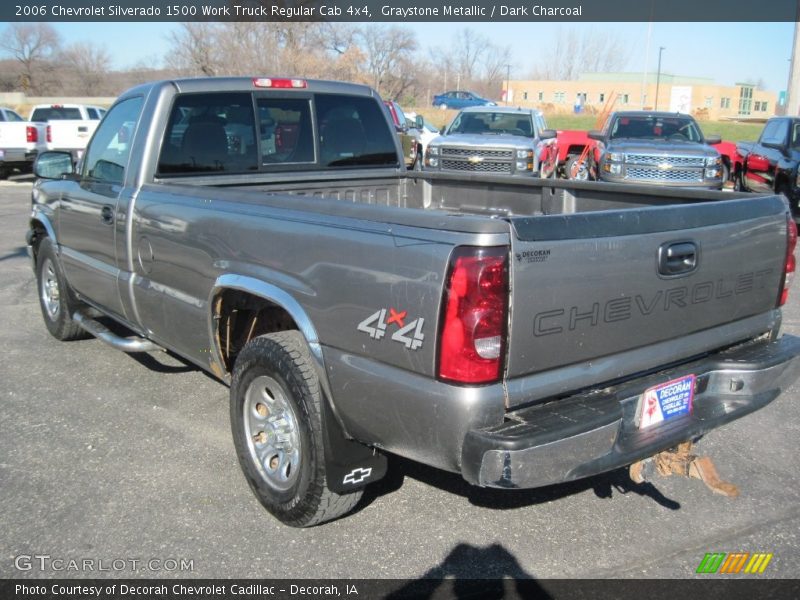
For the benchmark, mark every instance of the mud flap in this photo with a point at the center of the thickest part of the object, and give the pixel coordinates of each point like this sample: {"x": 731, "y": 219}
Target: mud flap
{"x": 681, "y": 461}
{"x": 349, "y": 465}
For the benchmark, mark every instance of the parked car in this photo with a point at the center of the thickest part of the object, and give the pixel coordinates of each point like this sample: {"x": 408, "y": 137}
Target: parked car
{"x": 517, "y": 331}
{"x": 656, "y": 148}
{"x": 20, "y": 142}
{"x": 500, "y": 140}
{"x": 771, "y": 163}
{"x": 458, "y": 100}
{"x": 69, "y": 126}
{"x": 407, "y": 132}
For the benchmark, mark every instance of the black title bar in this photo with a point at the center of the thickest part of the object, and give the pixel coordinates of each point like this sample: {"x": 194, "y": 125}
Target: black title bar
{"x": 574, "y": 11}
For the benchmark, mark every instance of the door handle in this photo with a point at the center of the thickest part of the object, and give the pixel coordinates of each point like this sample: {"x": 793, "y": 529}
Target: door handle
{"x": 107, "y": 214}
{"x": 677, "y": 258}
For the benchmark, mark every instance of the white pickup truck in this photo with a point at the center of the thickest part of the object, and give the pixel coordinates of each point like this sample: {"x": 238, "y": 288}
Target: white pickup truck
{"x": 69, "y": 126}
{"x": 20, "y": 142}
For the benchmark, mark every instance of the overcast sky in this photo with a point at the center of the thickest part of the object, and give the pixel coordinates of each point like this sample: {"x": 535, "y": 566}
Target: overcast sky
{"x": 726, "y": 52}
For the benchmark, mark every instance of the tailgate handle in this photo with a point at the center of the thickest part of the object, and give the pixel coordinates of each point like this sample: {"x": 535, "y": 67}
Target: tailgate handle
{"x": 677, "y": 258}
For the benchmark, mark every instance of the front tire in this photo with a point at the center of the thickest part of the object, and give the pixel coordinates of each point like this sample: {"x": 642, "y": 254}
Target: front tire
{"x": 276, "y": 421}
{"x": 56, "y": 300}
{"x": 575, "y": 170}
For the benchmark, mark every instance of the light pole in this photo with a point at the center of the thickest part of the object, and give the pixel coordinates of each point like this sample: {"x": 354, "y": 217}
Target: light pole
{"x": 658, "y": 75}
{"x": 508, "y": 82}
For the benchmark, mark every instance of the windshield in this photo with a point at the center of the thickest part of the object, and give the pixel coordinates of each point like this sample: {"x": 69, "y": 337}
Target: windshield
{"x": 681, "y": 129}
{"x": 488, "y": 123}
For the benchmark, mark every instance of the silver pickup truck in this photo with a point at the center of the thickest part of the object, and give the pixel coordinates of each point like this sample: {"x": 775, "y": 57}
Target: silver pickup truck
{"x": 495, "y": 140}
{"x": 520, "y": 332}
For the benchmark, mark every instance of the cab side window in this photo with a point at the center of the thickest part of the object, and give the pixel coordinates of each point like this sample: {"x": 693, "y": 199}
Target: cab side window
{"x": 107, "y": 155}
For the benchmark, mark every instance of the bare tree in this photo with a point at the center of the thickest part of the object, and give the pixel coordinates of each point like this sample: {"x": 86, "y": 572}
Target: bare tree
{"x": 591, "y": 52}
{"x": 389, "y": 52}
{"x": 33, "y": 46}
{"x": 90, "y": 63}
{"x": 470, "y": 49}
{"x": 193, "y": 49}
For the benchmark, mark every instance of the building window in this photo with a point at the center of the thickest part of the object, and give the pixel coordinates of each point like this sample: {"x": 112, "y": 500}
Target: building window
{"x": 709, "y": 102}
{"x": 725, "y": 103}
{"x": 623, "y": 99}
{"x": 764, "y": 106}
{"x": 745, "y": 100}
{"x": 541, "y": 96}
{"x": 757, "y": 106}
{"x": 524, "y": 95}
{"x": 602, "y": 98}
{"x": 558, "y": 97}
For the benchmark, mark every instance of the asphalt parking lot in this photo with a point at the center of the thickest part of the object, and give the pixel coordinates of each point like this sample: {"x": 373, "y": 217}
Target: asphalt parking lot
{"x": 108, "y": 456}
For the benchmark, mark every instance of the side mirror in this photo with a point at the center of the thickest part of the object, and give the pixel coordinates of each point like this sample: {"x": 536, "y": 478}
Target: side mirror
{"x": 53, "y": 165}
{"x": 713, "y": 139}
{"x": 596, "y": 135}
{"x": 419, "y": 122}
{"x": 547, "y": 134}
{"x": 442, "y": 130}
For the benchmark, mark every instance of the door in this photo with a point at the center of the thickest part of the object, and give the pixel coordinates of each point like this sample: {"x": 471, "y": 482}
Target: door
{"x": 88, "y": 218}
{"x": 762, "y": 161}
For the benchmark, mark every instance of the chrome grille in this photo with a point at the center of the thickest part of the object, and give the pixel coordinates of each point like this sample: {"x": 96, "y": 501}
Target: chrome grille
{"x": 479, "y": 167}
{"x": 672, "y": 161}
{"x": 667, "y": 175}
{"x": 470, "y": 152}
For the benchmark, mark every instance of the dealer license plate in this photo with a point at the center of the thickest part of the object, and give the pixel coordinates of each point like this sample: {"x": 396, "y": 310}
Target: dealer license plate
{"x": 666, "y": 401}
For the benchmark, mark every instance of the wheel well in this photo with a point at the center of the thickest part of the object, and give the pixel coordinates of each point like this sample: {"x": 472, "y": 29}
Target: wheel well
{"x": 240, "y": 316}
{"x": 39, "y": 233}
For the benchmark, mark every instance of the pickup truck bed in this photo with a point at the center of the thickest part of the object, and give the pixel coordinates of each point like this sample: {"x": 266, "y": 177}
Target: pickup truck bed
{"x": 510, "y": 330}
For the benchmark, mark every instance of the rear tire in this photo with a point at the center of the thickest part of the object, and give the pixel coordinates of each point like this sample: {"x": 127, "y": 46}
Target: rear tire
{"x": 276, "y": 423}
{"x": 56, "y": 300}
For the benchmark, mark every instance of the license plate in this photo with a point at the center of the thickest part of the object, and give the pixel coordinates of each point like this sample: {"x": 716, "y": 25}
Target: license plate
{"x": 666, "y": 401}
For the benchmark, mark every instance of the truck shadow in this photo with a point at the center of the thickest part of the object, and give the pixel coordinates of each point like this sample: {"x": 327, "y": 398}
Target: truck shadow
{"x": 603, "y": 485}
{"x": 457, "y": 576}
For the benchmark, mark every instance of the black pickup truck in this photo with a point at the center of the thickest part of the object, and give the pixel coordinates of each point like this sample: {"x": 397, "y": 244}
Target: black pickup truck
{"x": 770, "y": 164}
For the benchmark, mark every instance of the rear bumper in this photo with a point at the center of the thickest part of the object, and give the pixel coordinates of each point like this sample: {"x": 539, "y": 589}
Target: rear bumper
{"x": 596, "y": 432}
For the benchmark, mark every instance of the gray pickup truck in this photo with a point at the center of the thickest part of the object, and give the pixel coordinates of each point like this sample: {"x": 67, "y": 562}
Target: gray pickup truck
{"x": 657, "y": 148}
{"x": 495, "y": 140}
{"x": 521, "y": 332}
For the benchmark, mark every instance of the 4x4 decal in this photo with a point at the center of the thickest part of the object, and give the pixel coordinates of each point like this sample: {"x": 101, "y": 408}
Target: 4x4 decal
{"x": 409, "y": 335}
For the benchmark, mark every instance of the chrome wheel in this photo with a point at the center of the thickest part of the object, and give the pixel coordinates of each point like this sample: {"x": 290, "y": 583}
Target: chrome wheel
{"x": 273, "y": 437}
{"x": 51, "y": 294}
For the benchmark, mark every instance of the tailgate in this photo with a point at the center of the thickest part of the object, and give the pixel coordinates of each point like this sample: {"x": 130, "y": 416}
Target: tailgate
{"x": 13, "y": 135}
{"x": 595, "y": 284}
{"x": 71, "y": 134}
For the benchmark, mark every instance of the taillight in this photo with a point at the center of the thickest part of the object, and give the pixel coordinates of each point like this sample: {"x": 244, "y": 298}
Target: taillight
{"x": 790, "y": 263}
{"x": 31, "y": 134}
{"x": 474, "y": 317}
{"x": 49, "y": 135}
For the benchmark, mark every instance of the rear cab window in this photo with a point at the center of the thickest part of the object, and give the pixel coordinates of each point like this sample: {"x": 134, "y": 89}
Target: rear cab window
{"x": 57, "y": 113}
{"x": 241, "y": 132}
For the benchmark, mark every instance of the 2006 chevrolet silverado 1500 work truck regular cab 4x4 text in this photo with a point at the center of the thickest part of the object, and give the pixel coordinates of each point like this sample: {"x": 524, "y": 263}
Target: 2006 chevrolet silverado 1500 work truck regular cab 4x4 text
{"x": 520, "y": 332}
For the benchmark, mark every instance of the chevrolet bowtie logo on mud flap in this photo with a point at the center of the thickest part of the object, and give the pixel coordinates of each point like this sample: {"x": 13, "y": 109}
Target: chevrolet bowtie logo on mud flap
{"x": 357, "y": 475}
